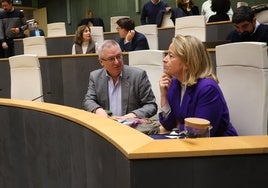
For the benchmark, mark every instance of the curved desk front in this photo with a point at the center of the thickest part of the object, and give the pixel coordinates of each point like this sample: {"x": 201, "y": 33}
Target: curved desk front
{"x": 53, "y": 146}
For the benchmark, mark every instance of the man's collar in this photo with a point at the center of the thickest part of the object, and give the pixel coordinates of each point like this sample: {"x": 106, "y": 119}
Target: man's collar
{"x": 256, "y": 26}
{"x": 154, "y": 2}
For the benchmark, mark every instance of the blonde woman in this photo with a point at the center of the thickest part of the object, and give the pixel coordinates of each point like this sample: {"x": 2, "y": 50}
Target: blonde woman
{"x": 83, "y": 43}
{"x": 189, "y": 88}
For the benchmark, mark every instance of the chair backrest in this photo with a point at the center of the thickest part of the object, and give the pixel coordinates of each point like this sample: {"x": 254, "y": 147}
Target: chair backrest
{"x": 56, "y": 29}
{"x": 35, "y": 45}
{"x": 26, "y": 80}
{"x": 191, "y": 25}
{"x": 241, "y": 3}
{"x": 262, "y": 16}
{"x": 167, "y": 22}
{"x": 152, "y": 62}
{"x": 113, "y": 21}
{"x": 151, "y": 33}
{"x": 97, "y": 34}
{"x": 242, "y": 70}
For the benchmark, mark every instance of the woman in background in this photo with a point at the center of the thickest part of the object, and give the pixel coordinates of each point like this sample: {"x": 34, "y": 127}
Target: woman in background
{"x": 184, "y": 8}
{"x": 189, "y": 88}
{"x": 221, "y": 7}
{"x": 83, "y": 43}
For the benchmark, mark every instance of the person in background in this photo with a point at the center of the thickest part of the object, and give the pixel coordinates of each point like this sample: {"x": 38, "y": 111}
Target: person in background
{"x": 207, "y": 12}
{"x": 12, "y": 26}
{"x": 90, "y": 21}
{"x": 189, "y": 88}
{"x": 36, "y": 31}
{"x": 83, "y": 43}
{"x": 117, "y": 88}
{"x": 184, "y": 8}
{"x": 130, "y": 40}
{"x": 151, "y": 9}
{"x": 247, "y": 27}
{"x": 221, "y": 7}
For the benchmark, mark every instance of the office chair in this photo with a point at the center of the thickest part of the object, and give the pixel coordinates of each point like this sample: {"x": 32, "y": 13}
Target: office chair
{"x": 35, "y": 45}
{"x": 113, "y": 21}
{"x": 191, "y": 25}
{"x": 56, "y": 29}
{"x": 242, "y": 70}
{"x": 151, "y": 33}
{"x": 97, "y": 34}
{"x": 166, "y": 21}
{"x": 152, "y": 62}
{"x": 262, "y": 16}
{"x": 26, "y": 80}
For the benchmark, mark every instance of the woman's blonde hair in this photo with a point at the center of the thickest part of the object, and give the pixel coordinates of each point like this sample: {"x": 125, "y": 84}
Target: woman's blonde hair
{"x": 196, "y": 57}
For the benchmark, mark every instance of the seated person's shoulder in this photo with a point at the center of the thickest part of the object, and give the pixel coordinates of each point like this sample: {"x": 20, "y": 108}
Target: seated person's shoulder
{"x": 139, "y": 35}
{"x": 96, "y": 73}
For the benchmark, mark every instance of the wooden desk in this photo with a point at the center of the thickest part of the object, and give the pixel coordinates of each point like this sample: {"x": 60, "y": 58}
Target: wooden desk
{"x": 47, "y": 145}
{"x": 63, "y": 45}
{"x": 65, "y": 77}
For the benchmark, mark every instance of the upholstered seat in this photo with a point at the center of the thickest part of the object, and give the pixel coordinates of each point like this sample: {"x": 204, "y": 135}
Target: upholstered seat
{"x": 26, "y": 80}
{"x": 242, "y": 69}
{"x": 191, "y": 25}
{"x": 166, "y": 21}
{"x": 151, "y": 33}
{"x": 56, "y": 29}
{"x": 262, "y": 16}
{"x": 113, "y": 21}
{"x": 152, "y": 62}
{"x": 35, "y": 45}
{"x": 97, "y": 34}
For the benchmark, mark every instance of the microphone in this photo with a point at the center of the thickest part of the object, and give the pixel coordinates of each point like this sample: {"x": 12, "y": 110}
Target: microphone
{"x": 47, "y": 93}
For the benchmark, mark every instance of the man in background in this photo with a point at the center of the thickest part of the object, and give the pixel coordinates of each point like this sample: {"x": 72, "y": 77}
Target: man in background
{"x": 247, "y": 27}
{"x": 12, "y": 26}
{"x": 151, "y": 9}
{"x": 130, "y": 40}
{"x": 36, "y": 31}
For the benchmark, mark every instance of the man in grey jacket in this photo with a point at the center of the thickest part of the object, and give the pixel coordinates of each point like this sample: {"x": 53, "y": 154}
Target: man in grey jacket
{"x": 117, "y": 88}
{"x": 12, "y": 26}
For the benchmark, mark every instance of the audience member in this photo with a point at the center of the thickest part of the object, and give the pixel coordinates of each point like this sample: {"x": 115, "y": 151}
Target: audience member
{"x": 207, "y": 12}
{"x": 12, "y": 26}
{"x": 125, "y": 91}
{"x": 189, "y": 88}
{"x": 221, "y": 7}
{"x": 184, "y": 8}
{"x": 247, "y": 27}
{"x": 83, "y": 43}
{"x": 89, "y": 20}
{"x": 130, "y": 40}
{"x": 151, "y": 9}
{"x": 36, "y": 31}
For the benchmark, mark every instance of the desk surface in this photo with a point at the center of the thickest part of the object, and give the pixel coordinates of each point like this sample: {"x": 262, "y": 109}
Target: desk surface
{"x": 136, "y": 145}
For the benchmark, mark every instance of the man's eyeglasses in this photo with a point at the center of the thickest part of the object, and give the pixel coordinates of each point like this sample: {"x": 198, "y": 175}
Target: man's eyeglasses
{"x": 112, "y": 59}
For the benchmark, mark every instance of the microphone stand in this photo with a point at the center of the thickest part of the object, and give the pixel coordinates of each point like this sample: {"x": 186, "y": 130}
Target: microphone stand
{"x": 34, "y": 99}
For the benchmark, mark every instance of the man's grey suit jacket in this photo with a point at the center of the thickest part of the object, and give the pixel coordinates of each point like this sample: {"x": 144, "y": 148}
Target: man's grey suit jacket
{"x": 137, "y": 95}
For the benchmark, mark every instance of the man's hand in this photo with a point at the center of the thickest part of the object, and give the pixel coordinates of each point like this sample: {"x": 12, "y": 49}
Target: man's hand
{"x": 129, "y": 36}
{"x": 15, "y": 30}
{"x": 4, "y": 45}
{"x": 101, "y": 112}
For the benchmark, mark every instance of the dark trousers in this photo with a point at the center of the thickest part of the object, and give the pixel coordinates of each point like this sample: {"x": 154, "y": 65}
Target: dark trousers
{"x": 5, "y": 53}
